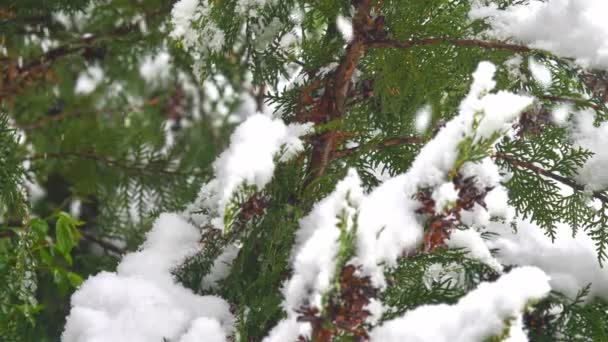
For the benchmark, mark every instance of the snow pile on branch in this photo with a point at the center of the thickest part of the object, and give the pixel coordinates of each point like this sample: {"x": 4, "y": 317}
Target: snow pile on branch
{"x": 479, "y": 315}
{"x": 89, "y": 79}
{"x": 569, "y": 28}
{"x": 530, "y": 246}
{"x": 156, "y": 69}
{"x": 595, "y": 139}
{"x": 141, "y": 302}
{"x": 317, "y": 243}
{"x": 248, "y": 161}
{"x": 345, "y": 26}
{"x": 315, "y": 254}
{"x": 388, "y": 225}
{"x": 208, "y": 37}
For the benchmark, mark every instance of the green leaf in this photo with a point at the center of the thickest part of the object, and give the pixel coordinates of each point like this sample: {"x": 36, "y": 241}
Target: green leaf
{"x": 67, "y": 236}
{"x": 75, "y": 279}
{"x": 40, "y": 228}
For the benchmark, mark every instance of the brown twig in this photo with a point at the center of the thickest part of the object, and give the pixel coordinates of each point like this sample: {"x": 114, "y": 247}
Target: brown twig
{"x": 540, "y": 171}
{"x": 331, "y": 105}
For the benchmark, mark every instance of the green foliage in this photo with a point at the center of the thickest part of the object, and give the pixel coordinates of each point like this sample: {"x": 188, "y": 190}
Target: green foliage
{"x": 435, "y": 278}
{"x": 538, "y": 197}
{"x": 30, "y": 255}
{"x": 11, "y": 171}
{"x": 107, "y": 150}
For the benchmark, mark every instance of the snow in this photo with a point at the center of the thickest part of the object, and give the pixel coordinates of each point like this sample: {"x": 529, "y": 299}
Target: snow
{"x": 568, "y": 28}
{"x": 156, "y": 69}
{"x": 317, "y": 244}
{"x": 250, "y": 161}
{"x": 560, "y": 114}
{"x": 593, "y": 174}
{"x": 423, "y": 119}
{"x": 221, "y": 267}
{"x": 208, "y": 37}
{"x": 530, "y": 246}
{"x": 472, "y": 242}
{"x": 249, "y": 7}
{"x": 540, "y": 73}
{"x": 479, "y": 315}
{"x": 314, "y": 255}
{"x": 89, "y": 79}
{"x": 444, "y": 196}
{"x": 204, "y": 329}
{"x": 345, "y": 27}
{"x": 141, "y": 301}
{"x": 388, "y": 225}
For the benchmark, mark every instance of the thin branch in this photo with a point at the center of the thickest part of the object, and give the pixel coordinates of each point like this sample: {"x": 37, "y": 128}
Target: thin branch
{"x": 540, "y": 171}
{"x": 103, "y": 159}
{"x": 49, "y": 119}
{"x": 388, "y": 43}
{"x": 583, "y": 102}
{"x": 103, "y": 243}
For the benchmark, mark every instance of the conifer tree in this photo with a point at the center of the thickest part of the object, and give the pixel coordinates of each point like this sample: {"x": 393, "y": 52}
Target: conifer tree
{"x": 293, "y": 170}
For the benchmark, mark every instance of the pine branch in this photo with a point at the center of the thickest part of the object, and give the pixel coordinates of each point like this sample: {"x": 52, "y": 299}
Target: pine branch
{"x": 388, "y": 43}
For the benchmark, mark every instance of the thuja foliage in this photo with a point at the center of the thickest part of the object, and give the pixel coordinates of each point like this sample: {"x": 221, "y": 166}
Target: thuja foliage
{"x": 108, "y": 119}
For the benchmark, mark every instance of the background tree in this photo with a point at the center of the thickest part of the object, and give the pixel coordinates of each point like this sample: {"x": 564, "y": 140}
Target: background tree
{"x": 406, "y": 154}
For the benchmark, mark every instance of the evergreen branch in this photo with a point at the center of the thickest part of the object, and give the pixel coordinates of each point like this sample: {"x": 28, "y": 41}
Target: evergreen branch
{"x": 49, "y": 119}
{"x": 33, "y": 68}
{"x": 410, "y": 43}
{"x": 540, "y": 171}
{"x": 511, "y": 160}
{"x": 555, "y": 98}
{"x": 73, "y": 114}
{"x": 105, "y": 160}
